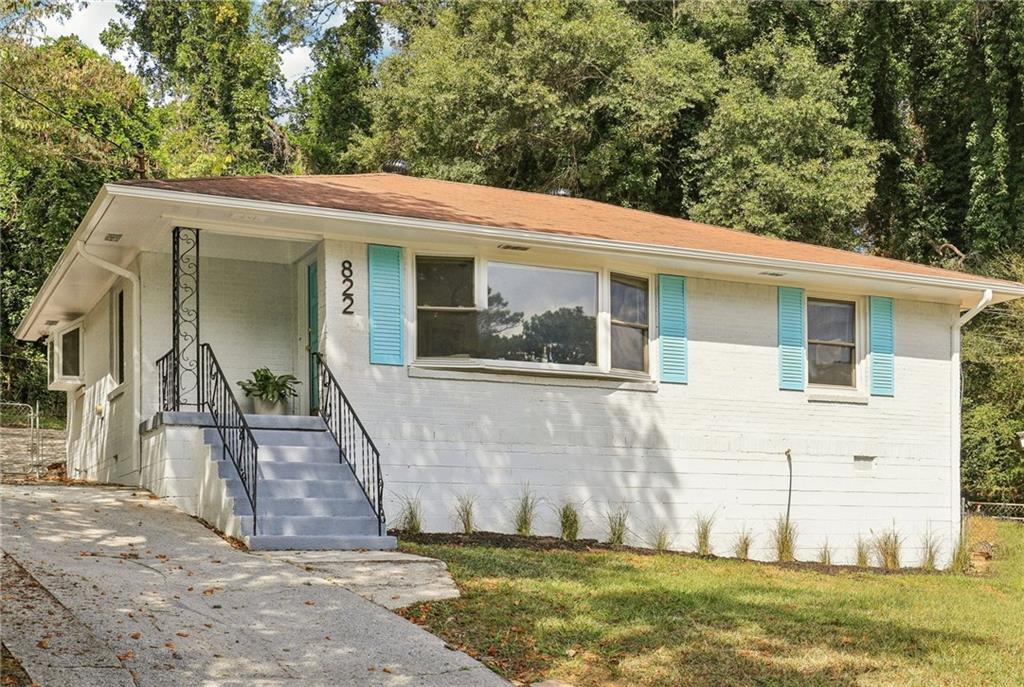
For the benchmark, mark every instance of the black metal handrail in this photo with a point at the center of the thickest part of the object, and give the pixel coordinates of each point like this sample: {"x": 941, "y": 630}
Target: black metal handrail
{"x": 167, "y": 373}
{"x": 235, "y": 435}
{"x": 215, "y": 395}
{"x": 355, "y": 447}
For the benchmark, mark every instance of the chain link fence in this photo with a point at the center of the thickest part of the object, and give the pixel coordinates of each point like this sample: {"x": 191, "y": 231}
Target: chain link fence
{"x": 22, "y": 448}
{"x": 1002, "y": 511}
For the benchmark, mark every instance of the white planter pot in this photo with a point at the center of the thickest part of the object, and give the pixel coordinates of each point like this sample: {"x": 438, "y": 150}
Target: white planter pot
{"x": 261, "y": 407}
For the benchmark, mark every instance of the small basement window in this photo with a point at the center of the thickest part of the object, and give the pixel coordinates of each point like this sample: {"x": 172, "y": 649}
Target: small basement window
{"x": 65, "y": 352}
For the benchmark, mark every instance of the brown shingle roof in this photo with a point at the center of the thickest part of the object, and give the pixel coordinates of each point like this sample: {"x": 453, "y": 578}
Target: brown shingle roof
{"x": 447, "y": 201}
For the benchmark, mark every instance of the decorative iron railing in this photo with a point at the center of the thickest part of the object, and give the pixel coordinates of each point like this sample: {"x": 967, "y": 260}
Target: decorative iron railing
{"x": 167, "y": 373}
{"x": 355, "y": 447}
{"x": 215, "y": 395}
{"x": 236, "y": 437}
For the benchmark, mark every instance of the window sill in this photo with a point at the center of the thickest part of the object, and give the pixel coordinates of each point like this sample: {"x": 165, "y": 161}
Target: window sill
{"x": 117, "y": 392}
{"x": 479, "y": 372}
{"x": 842, "y": 397}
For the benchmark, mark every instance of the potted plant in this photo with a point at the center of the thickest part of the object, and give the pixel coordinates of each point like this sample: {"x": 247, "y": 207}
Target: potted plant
{"x": 269, "y": 392}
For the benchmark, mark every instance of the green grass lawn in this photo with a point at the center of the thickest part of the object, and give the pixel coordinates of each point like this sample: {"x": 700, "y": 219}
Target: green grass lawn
{"x": 600, "y": 618}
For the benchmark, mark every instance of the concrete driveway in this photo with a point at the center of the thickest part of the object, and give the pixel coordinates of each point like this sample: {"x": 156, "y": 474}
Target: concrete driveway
{"x": 135, "y": 592}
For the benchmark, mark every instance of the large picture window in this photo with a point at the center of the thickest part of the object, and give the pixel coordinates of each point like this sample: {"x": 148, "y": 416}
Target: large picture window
{"x": 831, "y": 342}
{"x": 532, "y": 314}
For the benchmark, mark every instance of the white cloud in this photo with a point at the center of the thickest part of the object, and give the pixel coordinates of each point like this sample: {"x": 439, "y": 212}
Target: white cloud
{"x": 296, "y": 63}
{"x": 85, "y": 22}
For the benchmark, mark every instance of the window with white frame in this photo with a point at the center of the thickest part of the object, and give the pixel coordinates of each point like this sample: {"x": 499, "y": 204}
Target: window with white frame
{"x": 64, "y": 350}
{"x": 529, "y": 315}
{"x": 831, "y": 342}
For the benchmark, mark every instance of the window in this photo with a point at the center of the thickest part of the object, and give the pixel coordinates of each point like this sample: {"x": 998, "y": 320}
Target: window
{"x": 70, "y": 350}
{"x": 629, "y": 323}
{"x": 64, "y": 350}
{"x": 532, "y": 314}
{"x": 831, "y": 342}
{"x": 117, "y": 342}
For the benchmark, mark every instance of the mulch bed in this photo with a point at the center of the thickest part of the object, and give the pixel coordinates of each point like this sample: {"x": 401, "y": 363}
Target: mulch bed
{"x": 499, "y": 540}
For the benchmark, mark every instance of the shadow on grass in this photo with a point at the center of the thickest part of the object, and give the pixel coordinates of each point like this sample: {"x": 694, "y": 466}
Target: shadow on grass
{"x": 597, "y": 618}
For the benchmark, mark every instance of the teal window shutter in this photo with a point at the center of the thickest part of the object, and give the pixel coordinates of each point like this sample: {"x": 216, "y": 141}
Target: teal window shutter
{"x": 672, "y": 328}
{"x": 883, "y": 359}
{"x": 792, "y": 340}
{"x": 386, "y": 321}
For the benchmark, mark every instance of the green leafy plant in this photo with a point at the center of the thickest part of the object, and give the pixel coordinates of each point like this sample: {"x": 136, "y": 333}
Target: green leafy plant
{"x": 744, "y": 542}
{"x": 525, "y": 512}
{"x": 704, "y": 525}
{"x": 464, "y": 507}
{"x": 617, "y": 526}
{"x": 783, "y": 535}
{"x": 410, "y": 516}
{"x": 270, "y": 387}
{"x": 569, "y": 520}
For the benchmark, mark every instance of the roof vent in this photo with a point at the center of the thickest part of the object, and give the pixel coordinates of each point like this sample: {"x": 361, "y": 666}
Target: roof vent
{"x": 113, "y": 238}
{"x": 772, "y": 274}
{"x": 512, "y": 246}
{"x": 50, "y": 323}
{"x": 560, "y": 191}
{"x": 395, "y": 167}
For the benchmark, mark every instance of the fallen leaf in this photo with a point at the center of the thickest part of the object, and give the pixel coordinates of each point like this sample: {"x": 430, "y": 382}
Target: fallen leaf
{"x": 181, "y": 634}
{"x": 43, "y": 644}
{"x": 311, "y": 603}
{"x": 170, "y": 645}
{"x": 126, "y": 655}
{"x": 136, "y": 635}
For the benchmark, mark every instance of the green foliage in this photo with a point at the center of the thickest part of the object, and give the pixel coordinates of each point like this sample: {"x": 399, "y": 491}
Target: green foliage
{"x": 888, "y": 546}
{"x": 270, "y": 387}
{"x": 992, "y": 464}
{"x": 569, "y": 521}
{"x": 863, "y": 552}
{"x": 331, "y": 107}
{"x": 780, "y": 159}
{"x": 215, "y": 71}
{"x": 525, "y": 512}
{"x": 618, "y": 525}
{"x": 410, "y": 514}
{"x": 704, "y": 525}
{"x": 465, "y": 504}
{"x": 742, "y": 544}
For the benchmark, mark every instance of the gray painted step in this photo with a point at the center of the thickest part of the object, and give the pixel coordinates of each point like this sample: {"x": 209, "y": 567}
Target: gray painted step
{"x": 300, "y": 454}
{"x": 310, "y": 471}
{"x": 305, "y": 543}
{"x": 292, "y": 422}
{"x": 315, "y": 506}
{"x": 285, "y": 437}
{"x": 302, "y": 488}
{"x": 312, "y": 525}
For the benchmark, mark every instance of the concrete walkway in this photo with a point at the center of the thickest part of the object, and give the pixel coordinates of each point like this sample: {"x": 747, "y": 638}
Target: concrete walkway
{"x": 152, "y": 595}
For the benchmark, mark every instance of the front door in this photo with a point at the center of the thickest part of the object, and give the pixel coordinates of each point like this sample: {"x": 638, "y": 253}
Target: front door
{"x": 312, "y": 335}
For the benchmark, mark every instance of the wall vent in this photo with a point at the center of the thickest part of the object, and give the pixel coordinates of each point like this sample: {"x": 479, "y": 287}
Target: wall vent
{"x": 113, "y": 238}
{"x": 512, "y": 246}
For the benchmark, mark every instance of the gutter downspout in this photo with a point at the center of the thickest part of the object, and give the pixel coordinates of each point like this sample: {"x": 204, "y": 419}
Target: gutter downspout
{"x": 956, "y": 396}
{"x": 136, "y": 343}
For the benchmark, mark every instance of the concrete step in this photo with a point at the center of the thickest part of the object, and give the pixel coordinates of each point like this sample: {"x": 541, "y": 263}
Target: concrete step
{"x": 309, "y": 471}
{"x": 356, "y": 506}
{"x": 289, "y": 422}
{"x": 318, "y": 543}
{"x": 299, "y": 454}
{"x": 304, "y": 488}
{"x": 311, "y": 525}
{"x": 285, "y": 437}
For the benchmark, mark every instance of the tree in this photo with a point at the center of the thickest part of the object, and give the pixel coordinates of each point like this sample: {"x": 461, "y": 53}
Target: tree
{"x": 534, "y": 95}
{"x": 214, "y": 70}
{"x": 331, "y": 107}
{"x": 780, "y": 159}
{"x": 70, "y": 120}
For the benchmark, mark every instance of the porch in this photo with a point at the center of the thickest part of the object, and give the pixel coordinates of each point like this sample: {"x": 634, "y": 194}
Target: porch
{"x": 307, "y": 479}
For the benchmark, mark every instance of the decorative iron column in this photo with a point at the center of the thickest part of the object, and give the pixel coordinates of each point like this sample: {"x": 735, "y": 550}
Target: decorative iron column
{"x": 185, "y": 317}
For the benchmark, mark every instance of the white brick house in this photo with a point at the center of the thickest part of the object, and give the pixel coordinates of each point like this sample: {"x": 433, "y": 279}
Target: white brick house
{"x": 491, "y": 340}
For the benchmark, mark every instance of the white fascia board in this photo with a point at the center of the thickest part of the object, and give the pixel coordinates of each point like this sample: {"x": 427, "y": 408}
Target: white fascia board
{"x": 561, "y": 240}
{"x": 92, "y": 217}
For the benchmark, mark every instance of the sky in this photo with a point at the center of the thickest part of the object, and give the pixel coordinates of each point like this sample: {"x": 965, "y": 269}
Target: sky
{"x": 89, "y": 21}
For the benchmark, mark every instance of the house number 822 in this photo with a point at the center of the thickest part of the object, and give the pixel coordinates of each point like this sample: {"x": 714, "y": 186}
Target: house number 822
{"x": 346, "y": 295}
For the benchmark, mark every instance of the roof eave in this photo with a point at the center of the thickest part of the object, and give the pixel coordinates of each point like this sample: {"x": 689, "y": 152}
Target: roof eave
{"x": 568, "y": 240}
{"x": 85, "y": 227}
